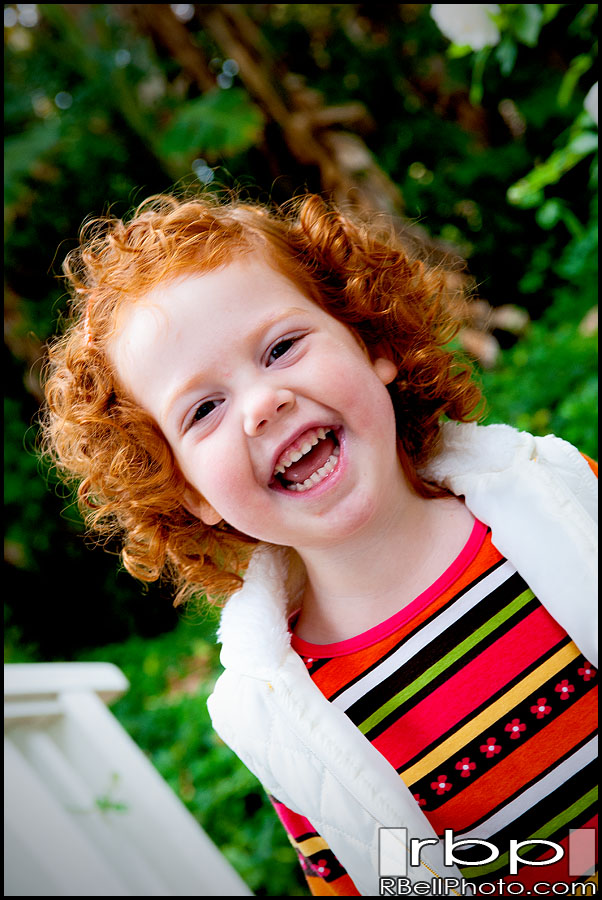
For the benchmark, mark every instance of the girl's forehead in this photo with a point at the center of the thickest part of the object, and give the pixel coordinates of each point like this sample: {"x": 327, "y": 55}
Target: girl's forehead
{"x": 246, "y": 292}
{"x": 248, "y": 284}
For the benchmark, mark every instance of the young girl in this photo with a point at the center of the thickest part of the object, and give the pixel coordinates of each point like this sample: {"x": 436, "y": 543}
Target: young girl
{"x": 255, "y": 401}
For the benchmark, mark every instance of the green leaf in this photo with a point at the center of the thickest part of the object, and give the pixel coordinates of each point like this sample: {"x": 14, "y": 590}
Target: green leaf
{"x": 550, "y": 11}
{"x": 220, "y": 122}
{"x": 525, "y": 192}
{"x": 549, "y": 214}
{"x": 475, "y": 94}
{"x": 527, "y": 20}
{"x": 520, "y": 194}
{"x": 505, "y": 53}
{"x": 578, "y": 66}
{"x": 457, "y": 51}
{"x": 583, "y": 143}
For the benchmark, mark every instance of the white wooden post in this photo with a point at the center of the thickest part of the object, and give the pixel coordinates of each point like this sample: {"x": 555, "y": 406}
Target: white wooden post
{"x": 64, "y": 752}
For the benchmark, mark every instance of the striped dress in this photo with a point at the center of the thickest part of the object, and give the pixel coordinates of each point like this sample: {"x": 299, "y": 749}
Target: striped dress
{"x": 486, "y": 709}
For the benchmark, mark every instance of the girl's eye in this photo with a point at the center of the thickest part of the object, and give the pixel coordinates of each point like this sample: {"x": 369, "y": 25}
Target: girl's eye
{"x": 203, "y": 410}
{"x": 280, "y": 349}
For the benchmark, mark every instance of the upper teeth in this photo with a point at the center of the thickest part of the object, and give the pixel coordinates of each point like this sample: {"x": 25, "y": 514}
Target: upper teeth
{"x": 294, "y": 453}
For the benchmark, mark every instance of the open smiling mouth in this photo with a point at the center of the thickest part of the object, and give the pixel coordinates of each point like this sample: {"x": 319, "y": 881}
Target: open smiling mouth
{"x": 308, "y": 461}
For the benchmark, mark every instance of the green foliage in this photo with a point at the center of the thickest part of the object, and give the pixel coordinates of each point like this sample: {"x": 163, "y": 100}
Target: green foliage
{"x": 523, "y": 21}
{"x": 581, "y": 142}
{"x": 547, "y": 382}
{"x": 578, "y": 67}
{"x": 545, "y": 385}
{"x": 219, "y": 122}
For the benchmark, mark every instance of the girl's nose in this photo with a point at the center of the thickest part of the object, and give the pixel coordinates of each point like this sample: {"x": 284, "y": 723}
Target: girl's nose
{"x": 264, "y": 406}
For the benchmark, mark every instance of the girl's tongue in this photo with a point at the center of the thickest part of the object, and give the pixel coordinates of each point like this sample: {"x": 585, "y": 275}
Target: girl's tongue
{"x": 299, "y": 471}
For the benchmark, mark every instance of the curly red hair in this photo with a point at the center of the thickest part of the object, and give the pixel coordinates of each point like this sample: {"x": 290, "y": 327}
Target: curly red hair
{"x": 129, "y": 483}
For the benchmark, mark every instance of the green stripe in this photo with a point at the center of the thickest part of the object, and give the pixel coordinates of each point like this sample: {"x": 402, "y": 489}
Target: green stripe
{"x": 446, "y": 661}
{"x": 563, "y": 818}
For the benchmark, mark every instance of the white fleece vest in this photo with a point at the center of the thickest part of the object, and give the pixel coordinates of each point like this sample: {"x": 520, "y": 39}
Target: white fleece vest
{"x": 539, "y": 496}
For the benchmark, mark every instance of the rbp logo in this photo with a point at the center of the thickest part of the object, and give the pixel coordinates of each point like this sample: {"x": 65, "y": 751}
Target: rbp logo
{"x": 397, "y": 851}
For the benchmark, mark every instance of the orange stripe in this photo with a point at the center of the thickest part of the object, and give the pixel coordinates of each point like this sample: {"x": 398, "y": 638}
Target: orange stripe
{"x": 337, "y": 673}
{"x": 523, "y": 764}
{"x": 342, "y": 669}
{"x": 309, "y": 845}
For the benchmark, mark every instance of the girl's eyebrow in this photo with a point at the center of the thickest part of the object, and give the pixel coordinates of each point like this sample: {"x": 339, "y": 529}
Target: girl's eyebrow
{"x": 255, "y": 335}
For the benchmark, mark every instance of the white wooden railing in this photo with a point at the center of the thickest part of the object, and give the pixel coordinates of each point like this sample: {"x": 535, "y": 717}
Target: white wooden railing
{"x": 85, "y": 812}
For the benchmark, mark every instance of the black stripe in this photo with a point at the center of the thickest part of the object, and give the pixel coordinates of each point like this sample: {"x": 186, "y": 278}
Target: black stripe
{"x": 330, "y": 862}
{"x": 316, "y": 665}
{"x": 308, "y": 835}
{"x": 488, "y": 607}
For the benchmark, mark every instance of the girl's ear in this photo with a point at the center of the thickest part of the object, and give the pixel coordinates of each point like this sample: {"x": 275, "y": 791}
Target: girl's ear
{"x": 385, "y": 369}
{"x": 198, "y": 507}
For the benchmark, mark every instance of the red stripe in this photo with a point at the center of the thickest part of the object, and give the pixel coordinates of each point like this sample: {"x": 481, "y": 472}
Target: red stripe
{"x": 456, "y": 698}
{"x": 295, "y": 824}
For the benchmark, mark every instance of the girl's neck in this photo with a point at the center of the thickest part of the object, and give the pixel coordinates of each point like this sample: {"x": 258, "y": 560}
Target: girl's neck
{"x": 371, "y": 576}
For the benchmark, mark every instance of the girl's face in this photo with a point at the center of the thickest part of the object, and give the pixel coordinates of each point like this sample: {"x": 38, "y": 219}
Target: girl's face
{"x": 279, "y": 421}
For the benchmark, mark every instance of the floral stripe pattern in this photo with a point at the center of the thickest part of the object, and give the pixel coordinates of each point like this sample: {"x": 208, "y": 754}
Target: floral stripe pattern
{"x": 486, "y": 709}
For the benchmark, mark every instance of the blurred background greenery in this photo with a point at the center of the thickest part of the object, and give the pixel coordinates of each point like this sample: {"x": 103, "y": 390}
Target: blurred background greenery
{"x": 486, "y": 150}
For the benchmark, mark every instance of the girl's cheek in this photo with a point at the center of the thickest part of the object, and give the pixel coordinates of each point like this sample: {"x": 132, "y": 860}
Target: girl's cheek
{"x": 229, "y": 484}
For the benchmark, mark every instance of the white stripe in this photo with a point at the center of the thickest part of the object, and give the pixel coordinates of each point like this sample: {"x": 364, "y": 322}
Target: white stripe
{"x": 538, "y": 791}
{"x": 424, "y": 637}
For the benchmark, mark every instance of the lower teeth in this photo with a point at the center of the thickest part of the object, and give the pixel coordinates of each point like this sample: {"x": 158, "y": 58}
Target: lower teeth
{"x": 318, "y": 476}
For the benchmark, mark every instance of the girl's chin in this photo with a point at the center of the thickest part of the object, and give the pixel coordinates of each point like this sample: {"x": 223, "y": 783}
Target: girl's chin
{"x": 347, "y": 520}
